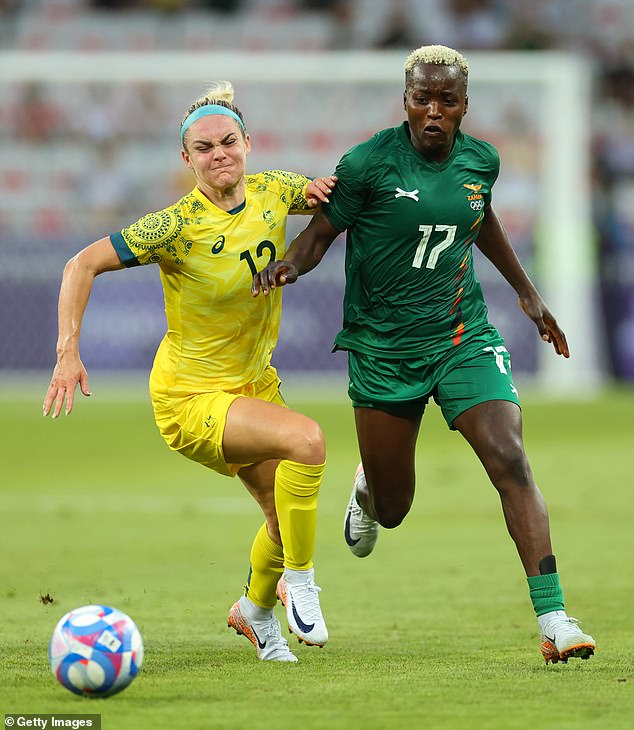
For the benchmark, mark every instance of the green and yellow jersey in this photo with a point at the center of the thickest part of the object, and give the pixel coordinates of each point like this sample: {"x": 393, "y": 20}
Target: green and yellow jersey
{"x": 411, "y": 287}
{"x": 218, "y": 335}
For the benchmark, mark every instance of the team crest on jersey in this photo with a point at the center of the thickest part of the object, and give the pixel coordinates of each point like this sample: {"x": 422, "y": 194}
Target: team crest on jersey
{"x": 269, "y": 218}
{"x": 476, "y": 199}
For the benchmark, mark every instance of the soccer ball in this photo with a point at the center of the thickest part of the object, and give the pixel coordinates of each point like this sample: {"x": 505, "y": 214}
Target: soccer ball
{"x": 96, "y": 651}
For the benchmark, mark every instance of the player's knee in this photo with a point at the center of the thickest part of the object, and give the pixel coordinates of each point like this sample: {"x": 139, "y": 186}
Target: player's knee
{"x": 508, "y": 465}
{"x": 391, "y": 514}
{"x": 307, "y": 444}
{"x": 391, "y": 520}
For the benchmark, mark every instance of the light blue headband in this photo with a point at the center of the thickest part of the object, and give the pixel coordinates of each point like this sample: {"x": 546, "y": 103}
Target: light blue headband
{"x": 206, "y": 111}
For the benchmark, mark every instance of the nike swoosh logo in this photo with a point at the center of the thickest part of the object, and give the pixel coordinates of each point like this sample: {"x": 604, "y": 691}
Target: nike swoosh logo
{"x": 346, "y": 533}
{"x": 549, "y": 639}
{"x": 260, "y": 644}
{"x": 307, "y": 628}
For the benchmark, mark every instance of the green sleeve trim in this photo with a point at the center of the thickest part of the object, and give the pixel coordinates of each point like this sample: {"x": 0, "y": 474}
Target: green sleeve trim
{"x": 123, "y": 250}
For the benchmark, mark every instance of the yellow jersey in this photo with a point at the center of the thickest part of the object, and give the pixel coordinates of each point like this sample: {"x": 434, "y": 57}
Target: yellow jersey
{"x": 218, "y": 335}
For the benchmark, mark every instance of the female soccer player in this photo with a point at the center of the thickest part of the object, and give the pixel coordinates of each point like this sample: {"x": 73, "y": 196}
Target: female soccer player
{"x": 414, "y": 199}
{"x": 215, "y": 394}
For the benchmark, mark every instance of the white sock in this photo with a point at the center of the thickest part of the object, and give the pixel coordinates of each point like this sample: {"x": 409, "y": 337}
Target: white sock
{"x": 252, "y": 612}
{"x": 297, "y": 576}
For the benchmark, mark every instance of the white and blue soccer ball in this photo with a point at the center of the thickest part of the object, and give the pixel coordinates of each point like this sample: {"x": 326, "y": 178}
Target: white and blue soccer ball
{"x": 96, "y": 651}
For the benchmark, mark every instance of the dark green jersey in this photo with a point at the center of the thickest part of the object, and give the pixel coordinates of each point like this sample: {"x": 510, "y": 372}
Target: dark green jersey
{"x": 411, "y": 287}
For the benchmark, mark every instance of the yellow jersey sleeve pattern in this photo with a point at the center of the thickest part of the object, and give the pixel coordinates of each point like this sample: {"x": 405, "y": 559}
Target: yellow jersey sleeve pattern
{"x": 290, "y": 185}
{"x": 158, "y": 236}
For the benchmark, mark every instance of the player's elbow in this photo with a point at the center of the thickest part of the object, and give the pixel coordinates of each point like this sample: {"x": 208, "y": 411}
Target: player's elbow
{"x": 74, "y": 265}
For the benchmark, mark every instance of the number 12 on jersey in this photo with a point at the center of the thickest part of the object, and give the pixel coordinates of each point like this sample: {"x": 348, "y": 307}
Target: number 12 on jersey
{"x": 435, "y": 252}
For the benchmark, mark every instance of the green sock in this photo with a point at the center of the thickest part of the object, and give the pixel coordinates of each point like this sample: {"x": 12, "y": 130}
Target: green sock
{"x": 546, "y": 593}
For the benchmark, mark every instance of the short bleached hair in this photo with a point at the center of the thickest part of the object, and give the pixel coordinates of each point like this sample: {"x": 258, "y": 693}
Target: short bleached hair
{"x": 439, "y": 55}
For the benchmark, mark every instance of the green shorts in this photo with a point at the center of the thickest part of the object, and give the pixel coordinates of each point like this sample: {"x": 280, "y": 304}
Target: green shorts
{"x": 476, "y": 371}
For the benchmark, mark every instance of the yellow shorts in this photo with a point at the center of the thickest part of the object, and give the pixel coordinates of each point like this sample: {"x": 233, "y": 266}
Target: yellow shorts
{"x": 194, "y": 425}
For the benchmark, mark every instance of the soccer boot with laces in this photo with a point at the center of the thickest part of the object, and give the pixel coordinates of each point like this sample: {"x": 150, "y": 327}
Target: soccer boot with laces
{"x": 562, "y": 639}
{"x": 265, "y": 635}
{"x": 360, "y": 531}
{"x": 298, "y": 593}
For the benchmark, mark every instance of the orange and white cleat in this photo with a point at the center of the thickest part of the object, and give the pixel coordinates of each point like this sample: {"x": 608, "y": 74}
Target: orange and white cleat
{"x": 562, "y": 639}
{"x": 265, "y": 634}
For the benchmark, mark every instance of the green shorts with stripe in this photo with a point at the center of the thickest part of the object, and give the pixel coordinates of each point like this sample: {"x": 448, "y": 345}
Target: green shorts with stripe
{"x": 476, "y": 371}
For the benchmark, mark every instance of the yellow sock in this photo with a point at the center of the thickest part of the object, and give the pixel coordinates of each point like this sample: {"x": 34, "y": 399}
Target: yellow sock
{"x": 296, "y": 490}
{"x": 267, "y": 565}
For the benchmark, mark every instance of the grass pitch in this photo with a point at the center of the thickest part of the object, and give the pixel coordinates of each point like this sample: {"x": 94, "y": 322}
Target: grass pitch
{"x": 434, "y": 630}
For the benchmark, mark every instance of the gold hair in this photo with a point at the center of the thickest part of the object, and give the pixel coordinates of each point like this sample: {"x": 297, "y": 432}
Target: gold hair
{"x": 217, "y": 91}
{"x": 439, "y": 55}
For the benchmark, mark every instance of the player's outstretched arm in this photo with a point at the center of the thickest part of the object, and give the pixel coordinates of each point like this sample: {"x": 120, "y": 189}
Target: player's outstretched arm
{"x": 79, "y": 274}
{"x": 495, "y": 244}
{"x": 304, "y": 253}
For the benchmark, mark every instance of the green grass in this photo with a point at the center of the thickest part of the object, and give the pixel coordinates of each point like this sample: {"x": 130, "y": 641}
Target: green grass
{"x": 434, "y": 630}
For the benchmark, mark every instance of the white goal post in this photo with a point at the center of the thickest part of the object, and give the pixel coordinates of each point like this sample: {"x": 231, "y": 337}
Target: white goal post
{"x": 566, "y": 267}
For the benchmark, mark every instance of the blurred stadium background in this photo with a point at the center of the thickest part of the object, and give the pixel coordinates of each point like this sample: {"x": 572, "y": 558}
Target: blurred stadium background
{"x": 92, "y": 95}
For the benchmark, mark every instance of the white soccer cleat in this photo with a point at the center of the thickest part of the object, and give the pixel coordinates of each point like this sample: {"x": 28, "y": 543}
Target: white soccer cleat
{"x": 298, "y": 593}
{"x": 562, "y": 639}
{"x": 265, "y": 635}
{"x": 360, "y": 531}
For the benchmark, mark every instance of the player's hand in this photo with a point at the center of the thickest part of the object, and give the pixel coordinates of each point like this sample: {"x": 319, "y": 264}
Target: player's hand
{"x": 68, "y": 373}
{"x": 277, "y": 273}
{"x": 535, "y": 308}
{"x": 319, "y": 189}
